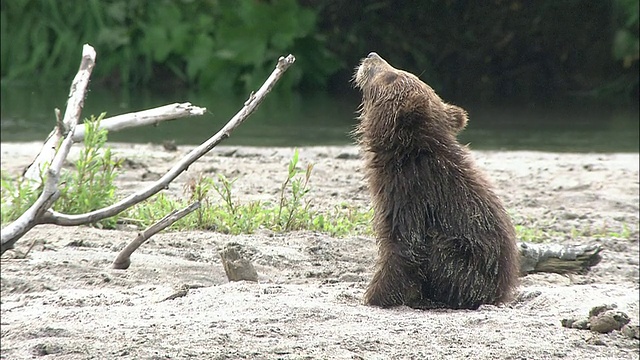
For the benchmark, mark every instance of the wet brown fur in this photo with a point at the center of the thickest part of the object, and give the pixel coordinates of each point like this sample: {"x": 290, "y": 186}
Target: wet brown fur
{"x": 444, "y": 238}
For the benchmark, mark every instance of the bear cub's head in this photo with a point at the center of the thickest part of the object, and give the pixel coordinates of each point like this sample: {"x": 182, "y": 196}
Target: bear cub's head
{"x": 393, "y": 95}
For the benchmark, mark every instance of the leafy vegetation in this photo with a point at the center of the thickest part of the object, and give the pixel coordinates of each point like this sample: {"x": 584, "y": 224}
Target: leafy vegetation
{"x": 488, "y": 51}
{"x": 497, "y": 50}
{"x": 626, "y": 40}
{"x": 292, "y": 210}
{"x": 90, "y": 185}
{"x": 17, "y": 197}
{"x": 221, "y": 45}
{"x": 547, "y": 230}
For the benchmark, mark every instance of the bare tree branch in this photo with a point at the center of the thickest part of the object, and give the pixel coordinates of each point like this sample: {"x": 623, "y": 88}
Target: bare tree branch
{"x": 53, "y": 217}
{"x": 12, "y": 232}
{"x": 115, "y": 123}
{"x": 145, "y": 117}
{"x": 47, "y": 152}
{"x": 41, "y": 212}
{"x": 123, "y": 260}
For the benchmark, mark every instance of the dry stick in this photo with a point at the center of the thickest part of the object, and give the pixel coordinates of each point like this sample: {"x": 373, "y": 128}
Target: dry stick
{"x": 123, "y": 260}
{"x": 146, "y": 117}
{"x": 53, "y": 217}
{"x": 30, "y": 218}
{"x": 115, "y": 123}
{"x": 50, "y": 216}
{"x": 46, "y": 154}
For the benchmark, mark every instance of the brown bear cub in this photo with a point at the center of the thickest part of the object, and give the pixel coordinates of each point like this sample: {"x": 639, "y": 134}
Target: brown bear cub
{"x": 444, "y": 238}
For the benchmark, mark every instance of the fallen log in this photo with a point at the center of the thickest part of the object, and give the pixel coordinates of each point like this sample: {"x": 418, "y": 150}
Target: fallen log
{"x": 557, "y": 258}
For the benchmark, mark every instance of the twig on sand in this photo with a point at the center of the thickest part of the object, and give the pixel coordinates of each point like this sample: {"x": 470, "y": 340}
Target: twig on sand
{"x": 183, "y": 291}
{"x": 123, "y": 260}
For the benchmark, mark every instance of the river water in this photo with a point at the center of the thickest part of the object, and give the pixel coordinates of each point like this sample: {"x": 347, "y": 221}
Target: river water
{"x": 321, "y": 119}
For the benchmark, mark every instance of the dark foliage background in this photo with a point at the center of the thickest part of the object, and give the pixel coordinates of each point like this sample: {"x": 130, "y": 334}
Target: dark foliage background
{"x": 485, "y": 51}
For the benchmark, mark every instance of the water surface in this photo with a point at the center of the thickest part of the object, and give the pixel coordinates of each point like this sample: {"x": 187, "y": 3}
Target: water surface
{"x": 321, "y": 119}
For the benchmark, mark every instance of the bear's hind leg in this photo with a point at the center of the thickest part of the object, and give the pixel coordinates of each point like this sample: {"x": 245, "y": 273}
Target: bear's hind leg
{"x": 462, "y": 273}
{"x": 392, "y": 285}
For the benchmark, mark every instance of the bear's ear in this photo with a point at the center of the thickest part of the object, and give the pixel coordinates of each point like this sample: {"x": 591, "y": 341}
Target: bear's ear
{"x": 457, "y": 116}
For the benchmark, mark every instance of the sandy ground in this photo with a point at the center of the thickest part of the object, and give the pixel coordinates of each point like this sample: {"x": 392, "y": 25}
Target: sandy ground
{"x": 64, "y": 302}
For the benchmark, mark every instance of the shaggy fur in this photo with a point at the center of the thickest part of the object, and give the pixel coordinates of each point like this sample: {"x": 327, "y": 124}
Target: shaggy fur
{"x": 444, "y": 238}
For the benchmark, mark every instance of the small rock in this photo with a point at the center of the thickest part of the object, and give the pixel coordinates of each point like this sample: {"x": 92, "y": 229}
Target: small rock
{"x": 192, "y": 256}
{"x": 43, "y": 349}
{"x": 609, "y": 320}
{"x": 569, "y": 216}
{"x": 631, "y": 331}
{"x": 601, "y": 308}
{"x": 273, "y": 290}
{"x": 348, "y": 156}
{"x": 567, "y": 322}
{"x": 170, "y": 145}
{"x": 228, "y": 153}
{"x": 526, "y": 295}
{"x": 236, "y": 267}
{"x": 582, "y": 324}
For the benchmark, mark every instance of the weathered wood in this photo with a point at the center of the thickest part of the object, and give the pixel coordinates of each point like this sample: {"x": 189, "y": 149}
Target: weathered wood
{"x": 557, "y": 258}
{"x": 41, "y": 212}
{"x": 115, "y": 123}
{"x": 123, "y": 260}
{"x": 146, "y": 117}
{"x": 15, "y": 230}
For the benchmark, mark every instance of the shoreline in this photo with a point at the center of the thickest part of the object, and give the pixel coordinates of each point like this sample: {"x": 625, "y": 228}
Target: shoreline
{"x": 308, "y": 301}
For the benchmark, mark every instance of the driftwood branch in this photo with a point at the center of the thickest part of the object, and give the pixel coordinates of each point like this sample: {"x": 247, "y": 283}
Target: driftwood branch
{"x": 145, "y": 117}
{"x": 53, "y": 217}
{"x": 123, "y": 260}
{"x": 114, "y": 123}
{"x": 41, "y": 213}
{"x": 12, "y": 232}
{"x": 73, "y": 112}
{"x": 47, "y": 152}
{"x": 557, "y": 258}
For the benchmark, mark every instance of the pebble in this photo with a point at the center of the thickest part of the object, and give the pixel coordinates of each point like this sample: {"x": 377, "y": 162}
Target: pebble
{"x": 609, "y": 320}
{"x": 604, "y": 319}
{"x": 631, "y": 331}
{"x": 235, "y": 265}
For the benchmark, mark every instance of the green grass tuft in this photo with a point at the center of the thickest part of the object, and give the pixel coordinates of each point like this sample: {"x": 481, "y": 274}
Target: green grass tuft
{"x": 221, "y": 212}
{"x": 89, "y": 187}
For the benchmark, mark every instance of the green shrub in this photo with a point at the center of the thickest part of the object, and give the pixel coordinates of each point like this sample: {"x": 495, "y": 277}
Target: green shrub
{"x": 222, "y": 213}
{"x": 88, "y": 186}
{"x": 220, "y": 45}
